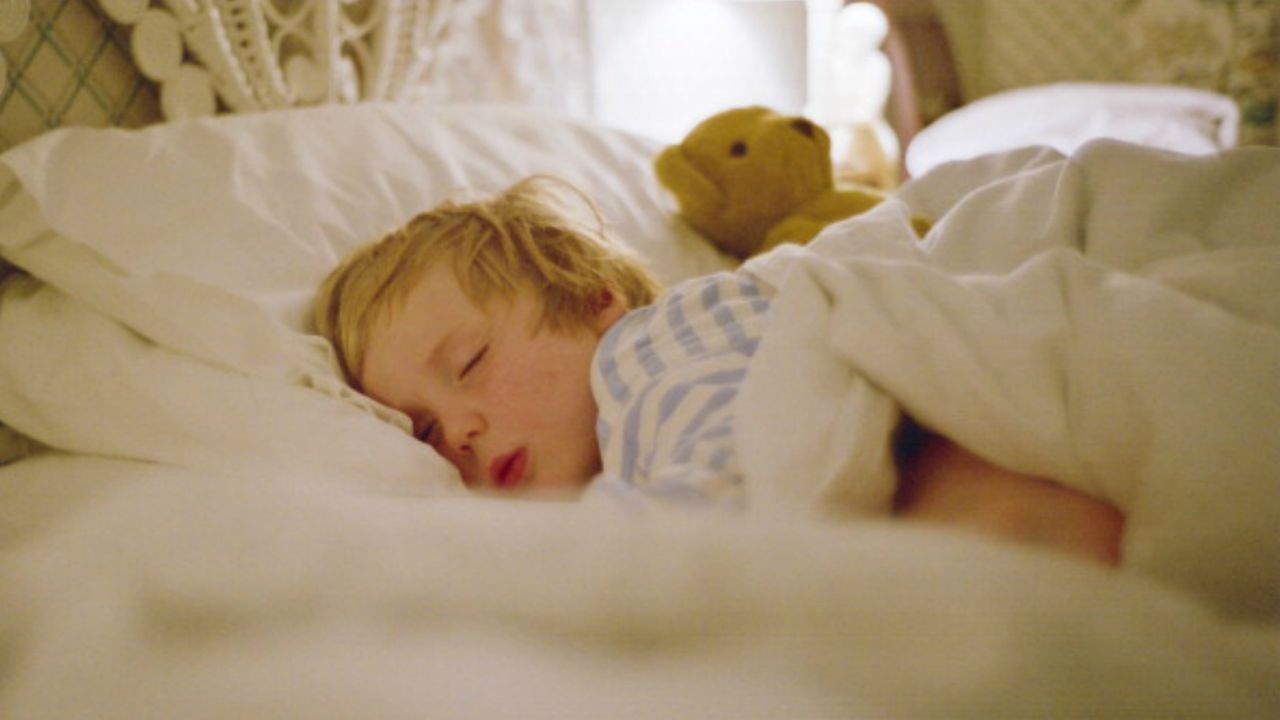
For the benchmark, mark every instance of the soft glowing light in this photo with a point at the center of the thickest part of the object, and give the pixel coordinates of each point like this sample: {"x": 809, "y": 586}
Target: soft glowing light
{"x": 663, "y": 65}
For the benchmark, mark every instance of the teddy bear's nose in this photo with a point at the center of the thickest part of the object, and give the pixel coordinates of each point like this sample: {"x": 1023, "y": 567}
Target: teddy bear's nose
{"x": 802, "y": 126}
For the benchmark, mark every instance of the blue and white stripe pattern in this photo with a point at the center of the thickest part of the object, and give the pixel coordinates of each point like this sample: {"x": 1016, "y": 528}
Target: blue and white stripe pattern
{"x": 665, "y": 378}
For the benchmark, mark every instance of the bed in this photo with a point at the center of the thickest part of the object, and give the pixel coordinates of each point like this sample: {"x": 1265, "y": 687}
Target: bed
{"x": 198, "y": 518}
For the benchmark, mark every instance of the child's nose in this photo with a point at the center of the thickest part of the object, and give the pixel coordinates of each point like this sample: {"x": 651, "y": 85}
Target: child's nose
{"x": 461, "y": 430}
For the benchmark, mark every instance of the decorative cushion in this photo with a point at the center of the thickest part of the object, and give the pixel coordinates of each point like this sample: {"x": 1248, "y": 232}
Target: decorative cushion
{"x": 1231, "y": 47}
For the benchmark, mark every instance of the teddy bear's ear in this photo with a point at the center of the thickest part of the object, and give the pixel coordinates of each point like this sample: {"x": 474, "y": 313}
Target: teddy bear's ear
{"x": 695, "y": 192}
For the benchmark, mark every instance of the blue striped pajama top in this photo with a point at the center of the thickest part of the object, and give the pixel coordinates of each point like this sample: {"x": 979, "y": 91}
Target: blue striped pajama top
{"x": 665, "y": 378}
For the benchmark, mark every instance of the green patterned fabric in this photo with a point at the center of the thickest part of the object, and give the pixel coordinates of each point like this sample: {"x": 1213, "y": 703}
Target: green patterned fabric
{"x": 70, "y": 66}
{"x": 1228, "y": 46}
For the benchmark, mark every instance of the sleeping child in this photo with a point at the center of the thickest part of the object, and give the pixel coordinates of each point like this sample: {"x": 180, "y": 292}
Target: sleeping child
{"x": 537, "y": 355}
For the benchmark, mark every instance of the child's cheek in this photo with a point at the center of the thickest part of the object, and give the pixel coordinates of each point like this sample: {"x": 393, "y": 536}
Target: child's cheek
{"x": 518, "y": 392}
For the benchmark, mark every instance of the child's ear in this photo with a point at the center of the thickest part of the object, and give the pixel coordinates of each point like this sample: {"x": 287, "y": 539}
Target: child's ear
{"x": 608, "y": 308}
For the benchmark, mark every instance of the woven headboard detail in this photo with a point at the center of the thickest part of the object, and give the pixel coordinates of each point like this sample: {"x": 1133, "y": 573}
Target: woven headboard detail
{"x": 132, "y": 62}
{"x": 68, "y": 65}
{"x": 264, "y": 54}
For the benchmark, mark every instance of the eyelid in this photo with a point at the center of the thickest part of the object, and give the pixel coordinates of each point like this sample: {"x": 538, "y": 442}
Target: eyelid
{"x": 474, "y": 361}
{"x": 428, "y": 429}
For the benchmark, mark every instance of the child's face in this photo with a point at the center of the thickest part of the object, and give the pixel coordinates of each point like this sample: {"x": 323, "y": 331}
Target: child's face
{"x": 507, "y": 402}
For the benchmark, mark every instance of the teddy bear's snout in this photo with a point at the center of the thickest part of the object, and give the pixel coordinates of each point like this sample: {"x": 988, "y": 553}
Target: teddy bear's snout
{"x": 802, "y": 126}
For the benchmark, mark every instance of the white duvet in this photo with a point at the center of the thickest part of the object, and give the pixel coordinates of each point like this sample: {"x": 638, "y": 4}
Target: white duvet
{"x": 214, "y": 534}
{"x": 1111, "y": 320}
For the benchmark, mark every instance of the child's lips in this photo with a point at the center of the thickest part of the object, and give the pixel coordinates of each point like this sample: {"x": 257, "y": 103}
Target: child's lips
{"x": 506, "y": 471}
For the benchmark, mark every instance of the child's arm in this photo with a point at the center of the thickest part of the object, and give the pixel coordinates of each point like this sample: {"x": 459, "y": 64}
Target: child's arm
{"x": 942, "y": 483}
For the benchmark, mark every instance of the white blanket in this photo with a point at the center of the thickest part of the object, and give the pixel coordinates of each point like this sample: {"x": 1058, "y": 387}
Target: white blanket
{"x": 164, "y": 594}
{"x": 1111, "y": 320}
{"x": 182, "y": 556}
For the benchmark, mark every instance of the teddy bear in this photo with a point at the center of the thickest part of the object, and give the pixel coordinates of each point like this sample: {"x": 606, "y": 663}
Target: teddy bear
{"x": 749, "y": 179}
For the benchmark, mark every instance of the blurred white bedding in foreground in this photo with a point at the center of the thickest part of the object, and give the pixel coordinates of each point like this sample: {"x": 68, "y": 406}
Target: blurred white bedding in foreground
{"x": 174, "y": 595}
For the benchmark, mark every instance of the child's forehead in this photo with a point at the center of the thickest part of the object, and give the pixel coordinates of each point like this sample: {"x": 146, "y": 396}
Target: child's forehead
{"x": 446, "y": 288}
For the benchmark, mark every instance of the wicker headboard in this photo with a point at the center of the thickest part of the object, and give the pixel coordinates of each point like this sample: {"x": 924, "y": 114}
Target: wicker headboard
{"x": 87, "y": 61}
{"x": 76, "y": 62}
{"x": 134, "y": 62}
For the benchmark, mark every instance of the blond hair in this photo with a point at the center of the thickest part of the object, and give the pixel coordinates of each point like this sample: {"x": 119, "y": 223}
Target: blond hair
{"x": 522, "y": 237}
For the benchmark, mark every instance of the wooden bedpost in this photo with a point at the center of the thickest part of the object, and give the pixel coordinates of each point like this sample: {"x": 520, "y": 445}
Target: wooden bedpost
{"x": 925, "y": 81}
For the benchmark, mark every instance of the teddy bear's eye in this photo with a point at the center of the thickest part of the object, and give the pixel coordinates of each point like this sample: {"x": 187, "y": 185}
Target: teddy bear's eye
{"x": 738, "y": 149}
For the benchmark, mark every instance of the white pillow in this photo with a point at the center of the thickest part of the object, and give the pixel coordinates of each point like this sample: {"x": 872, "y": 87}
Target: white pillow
{"x": 1065, "y": 116}
{"x": 271, "y": 200}
{"x": 205, "y": 240}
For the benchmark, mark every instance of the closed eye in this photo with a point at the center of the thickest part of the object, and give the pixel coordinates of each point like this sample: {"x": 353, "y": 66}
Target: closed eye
{"x": 427, "y": 432}
{"x": 473, "y": 362}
